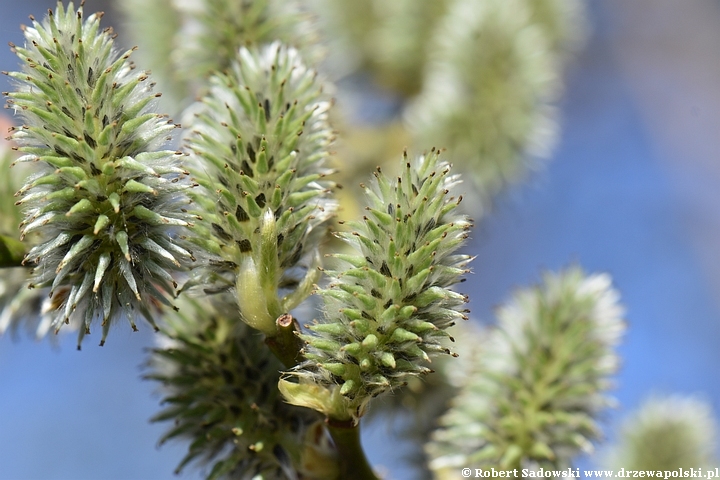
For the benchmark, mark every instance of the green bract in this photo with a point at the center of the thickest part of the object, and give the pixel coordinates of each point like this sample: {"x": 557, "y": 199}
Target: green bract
{"x": 260, "y": 140}
{"x": 105, "y": 202}
{"x": 220, "y": 381}
{"x": 388, "y": 309}
{"x": 11, "y": 217}
{"x": 533, "y": 398}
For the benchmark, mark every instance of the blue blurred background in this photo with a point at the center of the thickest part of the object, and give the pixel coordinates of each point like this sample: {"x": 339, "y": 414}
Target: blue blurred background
{"x": 633, "y": 189}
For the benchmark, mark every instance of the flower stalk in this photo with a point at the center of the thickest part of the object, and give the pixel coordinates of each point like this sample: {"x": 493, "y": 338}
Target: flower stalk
{"x": 354, "y": 464}
{"x": 285, "y": 343}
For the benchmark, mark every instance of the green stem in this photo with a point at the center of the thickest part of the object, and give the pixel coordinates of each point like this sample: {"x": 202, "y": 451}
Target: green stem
{"x": 353, "y": 462}
{"x": 285, "y": 344}
{"x": 12, "y": 252}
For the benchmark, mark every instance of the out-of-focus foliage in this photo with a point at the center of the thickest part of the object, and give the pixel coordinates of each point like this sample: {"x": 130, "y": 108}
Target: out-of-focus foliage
{"x": 390, "y": 39}
{"x": 563, "y": 22}
{"x": 478, "y": 78}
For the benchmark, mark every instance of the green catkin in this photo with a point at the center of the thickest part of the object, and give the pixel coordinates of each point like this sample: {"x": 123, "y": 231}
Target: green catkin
{"x": 220, "y": 388}
{"x": 102, "y": 185}
{"x": 158, "y": 41}
{"x": 388, "y": 39}
{"x": 533, "y": 398}
{"x": 199, "y": 38}
{"x": 219, "y": 28}
{"x": 259, "y": 143}
{"x": 382, "y": 337}
{"x": 491, "y": 83}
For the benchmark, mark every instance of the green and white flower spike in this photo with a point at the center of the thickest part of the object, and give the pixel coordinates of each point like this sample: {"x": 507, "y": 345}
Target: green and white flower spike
{"x": 260, "y": 141}
{"x": 388, "y": 308}
{"x": 107, "y": 203}
{"x": 533, "y": 399}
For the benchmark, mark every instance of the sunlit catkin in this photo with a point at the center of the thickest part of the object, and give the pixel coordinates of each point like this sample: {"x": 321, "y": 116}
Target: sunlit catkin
{"x": 107, "y": 203}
